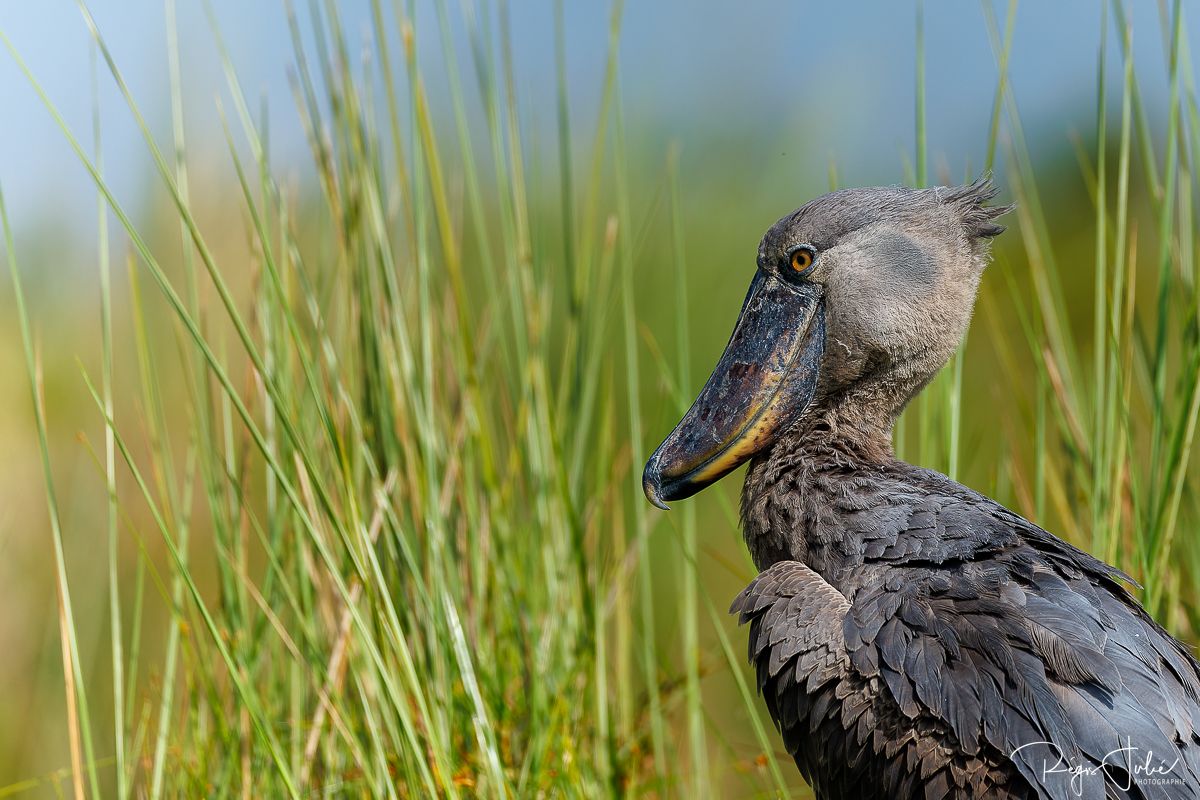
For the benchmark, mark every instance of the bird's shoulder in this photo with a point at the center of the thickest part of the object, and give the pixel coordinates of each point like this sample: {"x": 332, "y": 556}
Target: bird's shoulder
{"x": 914, "y": 516}
{"x": 969, "y": 612}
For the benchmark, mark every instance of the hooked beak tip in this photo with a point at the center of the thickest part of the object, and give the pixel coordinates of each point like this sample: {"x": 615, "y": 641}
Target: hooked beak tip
{"x": 652, "y": 484}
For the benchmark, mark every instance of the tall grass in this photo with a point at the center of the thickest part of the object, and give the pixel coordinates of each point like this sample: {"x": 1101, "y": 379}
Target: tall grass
{"x": 381, "y": 476}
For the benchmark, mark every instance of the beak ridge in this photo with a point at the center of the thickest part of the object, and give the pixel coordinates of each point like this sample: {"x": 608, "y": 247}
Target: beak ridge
{"x": 764, "y": 381}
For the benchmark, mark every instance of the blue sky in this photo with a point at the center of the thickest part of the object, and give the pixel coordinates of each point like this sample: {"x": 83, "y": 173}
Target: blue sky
{"x": 836, "y": 77}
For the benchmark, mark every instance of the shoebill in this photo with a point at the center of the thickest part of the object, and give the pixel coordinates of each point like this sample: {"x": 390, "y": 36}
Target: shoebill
{"x": 912, "y": 637}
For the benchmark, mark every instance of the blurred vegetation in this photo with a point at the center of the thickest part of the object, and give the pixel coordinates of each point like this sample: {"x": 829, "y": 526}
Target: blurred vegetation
{"x": 333, "y": 487}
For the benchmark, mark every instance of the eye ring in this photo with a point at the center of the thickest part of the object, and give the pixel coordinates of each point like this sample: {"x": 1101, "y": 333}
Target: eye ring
{"x": 801, "y": 259}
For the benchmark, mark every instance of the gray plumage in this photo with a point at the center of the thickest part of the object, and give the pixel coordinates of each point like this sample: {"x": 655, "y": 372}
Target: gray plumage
{"x": 963, "y": 631}
{"x": 913, "y": 638}
{"x": 949, "y": 633}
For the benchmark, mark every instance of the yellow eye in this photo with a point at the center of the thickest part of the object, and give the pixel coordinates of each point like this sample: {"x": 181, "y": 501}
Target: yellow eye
{"x": 802, "y": 259}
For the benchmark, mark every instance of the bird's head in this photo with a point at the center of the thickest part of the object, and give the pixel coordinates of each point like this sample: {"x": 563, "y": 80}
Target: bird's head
{"x": 860, "y": 295}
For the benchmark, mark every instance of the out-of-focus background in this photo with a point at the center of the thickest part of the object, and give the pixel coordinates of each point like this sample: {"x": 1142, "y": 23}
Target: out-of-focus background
{"x": 400, "y": 296}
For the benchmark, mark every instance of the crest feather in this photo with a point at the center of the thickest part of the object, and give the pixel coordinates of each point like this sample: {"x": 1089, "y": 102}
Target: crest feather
{"x": 969, "y": 201}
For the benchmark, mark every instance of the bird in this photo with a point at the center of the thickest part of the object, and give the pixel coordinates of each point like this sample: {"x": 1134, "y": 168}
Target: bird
{"x": 913, "y": 638}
